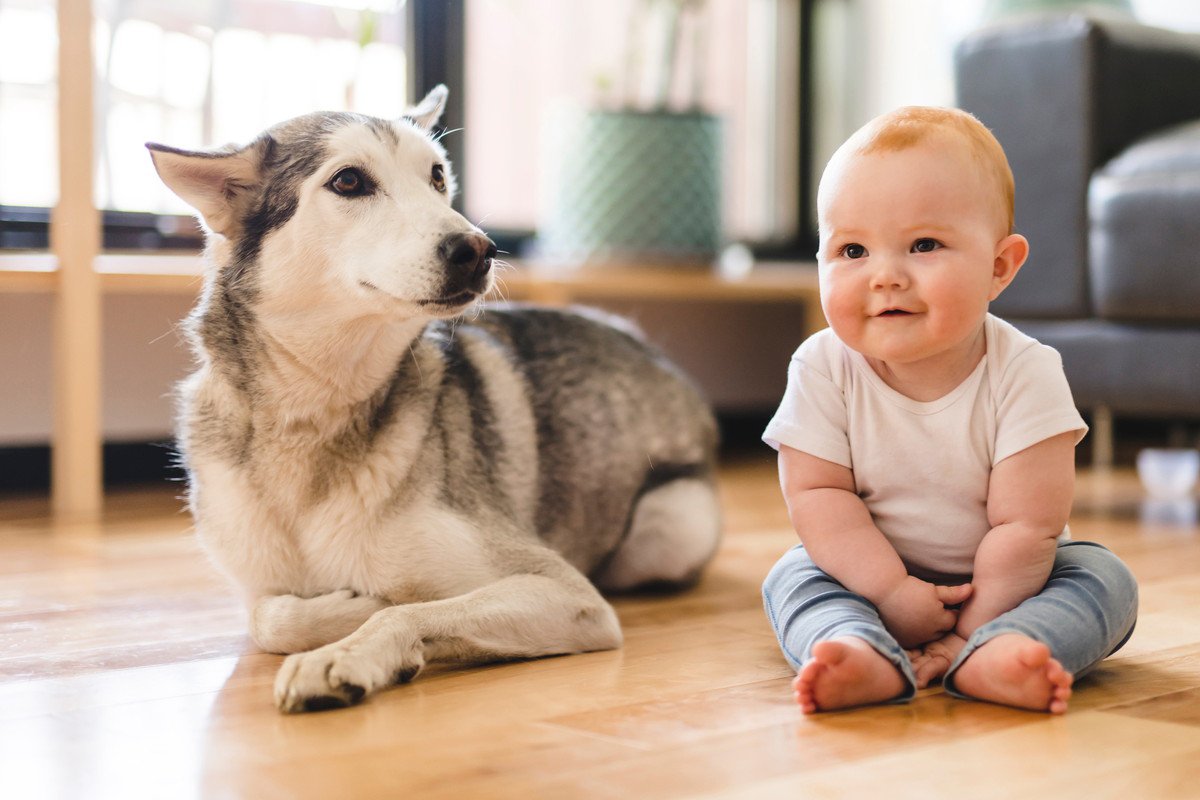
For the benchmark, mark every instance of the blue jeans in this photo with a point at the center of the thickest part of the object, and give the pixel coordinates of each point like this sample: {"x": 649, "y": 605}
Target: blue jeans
{"x": 1085, "y": 612}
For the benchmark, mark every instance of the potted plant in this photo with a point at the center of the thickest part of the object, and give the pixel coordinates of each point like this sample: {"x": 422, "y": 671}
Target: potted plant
{"x": 640, "y": 180}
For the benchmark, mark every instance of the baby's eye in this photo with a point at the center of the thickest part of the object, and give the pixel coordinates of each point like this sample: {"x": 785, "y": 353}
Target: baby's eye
{"x": 852, "y": 251}
{"x": 925, "y": 245}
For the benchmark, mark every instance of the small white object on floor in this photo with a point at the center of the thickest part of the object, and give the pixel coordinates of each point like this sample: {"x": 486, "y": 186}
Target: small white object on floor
{"x": 1168, "y": 473}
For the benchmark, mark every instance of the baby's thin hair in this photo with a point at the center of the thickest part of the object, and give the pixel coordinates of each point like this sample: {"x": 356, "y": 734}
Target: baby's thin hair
{"x": 910, "y": 125}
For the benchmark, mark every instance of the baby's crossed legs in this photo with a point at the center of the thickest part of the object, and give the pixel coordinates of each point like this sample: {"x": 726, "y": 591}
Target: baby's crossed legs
{"x": 1025, "y": 658}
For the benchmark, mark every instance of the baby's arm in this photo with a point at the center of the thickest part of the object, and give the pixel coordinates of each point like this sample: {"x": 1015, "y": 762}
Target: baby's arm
{"x": 841, "y": 538}
{"x": 1029, "y": 499}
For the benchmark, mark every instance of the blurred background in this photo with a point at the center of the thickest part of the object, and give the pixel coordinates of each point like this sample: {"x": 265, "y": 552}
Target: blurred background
{"x": 787, "y": 79}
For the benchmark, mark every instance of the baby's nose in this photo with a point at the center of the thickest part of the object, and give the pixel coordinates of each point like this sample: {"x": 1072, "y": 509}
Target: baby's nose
{"x": 889, "y": 273}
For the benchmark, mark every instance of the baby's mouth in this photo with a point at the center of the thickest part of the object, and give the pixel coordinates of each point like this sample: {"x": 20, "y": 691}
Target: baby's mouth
{"x": 894, "y": 312}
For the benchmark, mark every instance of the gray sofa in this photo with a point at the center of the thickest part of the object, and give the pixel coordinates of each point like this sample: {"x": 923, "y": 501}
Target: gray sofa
{"x": 1101, "y": 123}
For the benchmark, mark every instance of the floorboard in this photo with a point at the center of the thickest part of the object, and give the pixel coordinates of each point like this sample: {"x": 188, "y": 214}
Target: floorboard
{"x": 125, "y": 671}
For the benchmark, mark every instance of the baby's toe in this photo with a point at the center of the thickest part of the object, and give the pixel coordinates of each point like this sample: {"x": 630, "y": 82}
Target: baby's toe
{"x": 1057, "y": 675}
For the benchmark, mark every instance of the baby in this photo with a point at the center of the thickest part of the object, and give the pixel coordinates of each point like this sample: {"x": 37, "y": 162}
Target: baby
{"x": 926, "y": 448}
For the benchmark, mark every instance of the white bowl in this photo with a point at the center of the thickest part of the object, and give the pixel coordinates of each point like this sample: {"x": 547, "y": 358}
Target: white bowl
{"x": 1168, "y": 473}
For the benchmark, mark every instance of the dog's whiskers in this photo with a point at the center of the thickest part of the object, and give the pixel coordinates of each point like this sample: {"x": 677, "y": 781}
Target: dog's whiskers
{"x": 500, "y": 289}
{"x": 501, "y": 286}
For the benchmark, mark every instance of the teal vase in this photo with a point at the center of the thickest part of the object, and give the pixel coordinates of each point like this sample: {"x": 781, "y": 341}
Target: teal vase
{"x": 632, "y": 185}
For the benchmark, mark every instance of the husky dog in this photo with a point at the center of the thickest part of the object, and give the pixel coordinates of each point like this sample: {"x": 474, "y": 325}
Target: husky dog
{"x": 389, "y": 483}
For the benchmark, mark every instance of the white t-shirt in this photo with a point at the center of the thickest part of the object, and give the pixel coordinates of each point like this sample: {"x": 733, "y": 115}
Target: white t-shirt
{"x": 922, "y": 468}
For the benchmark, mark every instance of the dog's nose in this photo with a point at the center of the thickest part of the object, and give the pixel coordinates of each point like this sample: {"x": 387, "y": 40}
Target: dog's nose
{"x": 468, "y": 254}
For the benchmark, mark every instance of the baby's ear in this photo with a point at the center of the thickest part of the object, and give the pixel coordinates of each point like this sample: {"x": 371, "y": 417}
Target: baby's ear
{"x": 1011, "y": 252}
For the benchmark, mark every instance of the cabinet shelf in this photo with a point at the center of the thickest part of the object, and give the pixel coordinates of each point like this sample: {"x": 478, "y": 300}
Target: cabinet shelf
{"x": 171, "y": 273}
{"x": 36, "y": 272}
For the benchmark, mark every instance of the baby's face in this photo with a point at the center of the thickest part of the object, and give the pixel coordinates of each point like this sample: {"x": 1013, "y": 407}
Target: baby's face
{"x": 908, "y": 243}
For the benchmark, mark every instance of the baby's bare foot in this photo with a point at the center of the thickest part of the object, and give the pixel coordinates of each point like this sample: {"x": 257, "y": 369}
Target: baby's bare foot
{"x": 934, "y": 659}
{"x": 927, "y": 667}
{"x": 1014, "y": 670}
{"x": 845, "y": 672}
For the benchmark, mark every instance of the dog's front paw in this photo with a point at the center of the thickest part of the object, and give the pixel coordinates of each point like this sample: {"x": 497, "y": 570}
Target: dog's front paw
{"x": 339, "y": 675}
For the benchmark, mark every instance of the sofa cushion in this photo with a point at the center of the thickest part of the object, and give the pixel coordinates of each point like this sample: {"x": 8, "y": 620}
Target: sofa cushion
{"x": 1064, "y": 94}
{"x": 1134, "y": 369}
{"x": 1144, "y": 214}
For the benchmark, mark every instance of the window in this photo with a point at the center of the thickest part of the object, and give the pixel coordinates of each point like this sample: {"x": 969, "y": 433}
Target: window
{"x": 28, "y": 63}
{"x": 186, "y": 74}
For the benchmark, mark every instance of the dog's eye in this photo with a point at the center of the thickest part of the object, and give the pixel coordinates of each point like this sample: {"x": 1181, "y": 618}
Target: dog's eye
{"x": 349, "y": 182}
{"x": 437, "y": 177}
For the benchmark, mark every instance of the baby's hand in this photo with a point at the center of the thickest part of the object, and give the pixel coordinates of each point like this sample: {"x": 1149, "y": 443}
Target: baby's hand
{"x": 915, "y": 611}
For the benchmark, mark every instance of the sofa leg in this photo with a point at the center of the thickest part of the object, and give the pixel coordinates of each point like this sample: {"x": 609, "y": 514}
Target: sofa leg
{"x": 1102, "y": 437}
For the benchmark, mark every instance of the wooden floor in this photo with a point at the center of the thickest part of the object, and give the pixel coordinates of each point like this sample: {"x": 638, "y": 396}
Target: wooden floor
{"x": 125, "y": 672}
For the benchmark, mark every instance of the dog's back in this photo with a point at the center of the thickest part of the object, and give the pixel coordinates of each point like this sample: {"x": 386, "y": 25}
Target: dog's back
{"x": 612, "y": 418}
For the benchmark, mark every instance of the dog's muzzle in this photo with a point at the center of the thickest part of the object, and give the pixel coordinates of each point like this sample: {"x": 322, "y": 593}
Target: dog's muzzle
{"x": 468, "y": 259}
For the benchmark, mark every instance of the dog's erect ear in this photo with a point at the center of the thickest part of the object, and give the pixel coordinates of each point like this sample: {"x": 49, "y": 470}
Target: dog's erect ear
{"x": 427, "y": 112}
{"x": 215, "y": 183}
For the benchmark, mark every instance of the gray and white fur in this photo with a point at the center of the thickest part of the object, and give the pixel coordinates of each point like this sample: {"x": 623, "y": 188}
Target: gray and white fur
{"x": 388, "y": 482}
